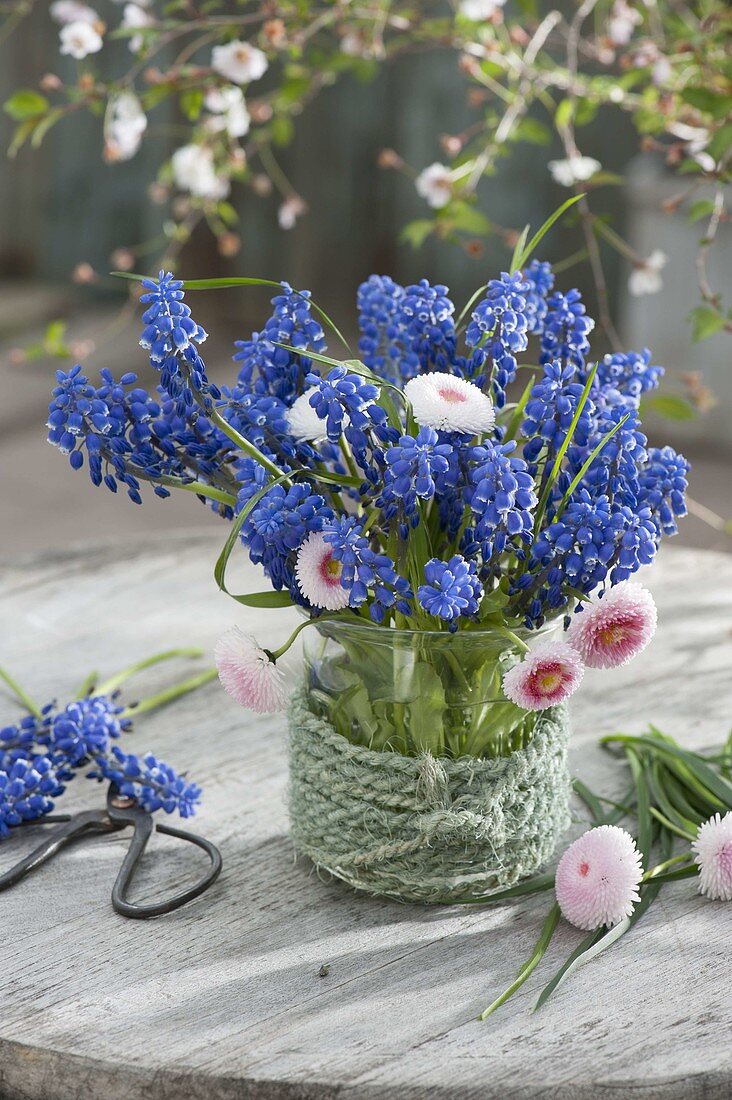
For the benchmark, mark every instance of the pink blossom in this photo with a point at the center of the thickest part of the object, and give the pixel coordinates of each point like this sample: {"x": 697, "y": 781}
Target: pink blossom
{"x": 319, "y": 574}
{"x": 713, "y": 848}
{"x": 609, "y": 632}
{"x": 598, "y": 877}
{"x": 546, "y": 676}
{"x": 248, "y": 673}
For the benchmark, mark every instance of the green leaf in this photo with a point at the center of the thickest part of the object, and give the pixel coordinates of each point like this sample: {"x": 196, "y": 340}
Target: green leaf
{"x": 233, "y": 538}
{"x": 519, "y": 248}
{"x": 701, "y": 209}
{"x": 25, "y": 104}
{"x": 465, "y": 218}
{"x": 705, "y": 322}
{"x": 191, "y": 103}
{"x": 416, "y": 232}
{"x": 714, "y": 103}
{"x": 563, "y": 114}
{"x": 531, "y": 963}
{"x": 533, "y": 131}
{"x": 590, "y": 458}
{"x": 541, "y": 233}
{"x": 671, "y": 406}
{"x": 426, "y": 708}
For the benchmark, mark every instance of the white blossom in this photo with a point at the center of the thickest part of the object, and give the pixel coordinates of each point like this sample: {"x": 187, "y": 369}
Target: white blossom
{"x": 194, "y": 171}
{"x": 624, "y": 18}
{"x": 290, "y": 210}
{"x": 133, "y": 17}
{"x": 239, "y": 62}
{"x": 126, "y": 124}
{"x": 434, "y": 185}
{"x": 79, "y": 39}
{"x": 73, "y": 11}
{"x": 303, "y": 422}
{"x": 478, "y": 10}
{"x": 647, "y": 278}
{"x": 228, "y": 111}
{"x": 573, "y": 170}
{"x": 248, "y": 674}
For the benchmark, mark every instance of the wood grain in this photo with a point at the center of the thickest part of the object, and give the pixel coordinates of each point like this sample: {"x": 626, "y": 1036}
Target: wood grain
{"x": 224, "y": 1000}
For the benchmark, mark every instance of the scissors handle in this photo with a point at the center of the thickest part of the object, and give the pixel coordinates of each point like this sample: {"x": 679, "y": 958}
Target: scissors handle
{"x": 92, "y": 821}
{"x": 143, "y": 831}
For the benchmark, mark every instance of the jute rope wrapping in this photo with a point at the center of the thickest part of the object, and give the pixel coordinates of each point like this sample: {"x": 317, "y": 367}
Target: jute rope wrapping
{"x": 422, "y": 828}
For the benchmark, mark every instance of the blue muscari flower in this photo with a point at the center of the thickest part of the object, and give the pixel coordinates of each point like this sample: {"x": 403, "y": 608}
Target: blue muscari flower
{"x": 426, "y": 329}
{"x": 171, "y": 335}
{"x": 128, "y": 435}
{"x": 84, "y": 729}
{"x": 540, "y": 279}
{"x": 278, "y": 525}
{"x": 365, "y": 571}
{"x": 20, "y": 741}
{"x": 340, "y": 396}
{"x": 637, "y": 540}
{"x": 501, "y": 496}
{"x": 663, "y": 485}
{"x": 378, "y": 301}
{"x": 630, "y": 373}
{"x": 27, "y": 790}
{"x": 614, "y": 472}
{"x": 451, "y": 589}
{"x": 267, "y": 369}
{"x": 549, "y": 413}
{"x": 154, "y": 784}
{"x": 412, "y": 465}
{"x": 565, "y": 331}
{"x": 498, "y": 331}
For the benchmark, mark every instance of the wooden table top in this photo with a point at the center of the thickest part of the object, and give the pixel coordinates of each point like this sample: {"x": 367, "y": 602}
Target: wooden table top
{"x": 223, "y": 999}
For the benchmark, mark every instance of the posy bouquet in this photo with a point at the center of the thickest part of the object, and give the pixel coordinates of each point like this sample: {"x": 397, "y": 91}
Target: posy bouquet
{"x": 472, "y": 474}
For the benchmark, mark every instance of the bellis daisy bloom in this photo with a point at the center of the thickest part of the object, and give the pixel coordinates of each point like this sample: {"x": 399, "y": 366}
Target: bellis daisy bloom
{"x": 713, "y": 850}
{"x": 303, "y": 422}
{"x": 319, "y": 572}
{"x": 611, "y": 631}
{"x": 598, "y": 877}
{"x": 248, "y": 674}
{"x": 546, "y": 676}
{"x": 450, "y": 404}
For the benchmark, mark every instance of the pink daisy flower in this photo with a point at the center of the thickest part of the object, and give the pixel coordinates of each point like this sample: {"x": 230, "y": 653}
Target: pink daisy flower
{"x": 610, "y": 631}
{"x": 248, "y": 673}
{"x": 546, "y": 676}
{"x": 319, "y": 574}
{"x": 713, "y": 848}
{"x": 598, "y": 877}
{"x": 450, "y": 404}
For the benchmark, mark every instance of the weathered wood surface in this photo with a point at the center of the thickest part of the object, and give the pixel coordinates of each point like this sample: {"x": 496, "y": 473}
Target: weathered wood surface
{"x": 223, "y": 999}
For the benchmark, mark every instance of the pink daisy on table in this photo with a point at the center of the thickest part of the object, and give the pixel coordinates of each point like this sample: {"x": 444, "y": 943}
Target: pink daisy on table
{"x": 610, "y": 631}
{"x": 598, "y": 877}
{"x": 713, "y": 850}
{"x": 319, "y": 574}
{"x": 548, "y": 675}
{"x": 248, "y": 674}
{"x": 450, "y": 404}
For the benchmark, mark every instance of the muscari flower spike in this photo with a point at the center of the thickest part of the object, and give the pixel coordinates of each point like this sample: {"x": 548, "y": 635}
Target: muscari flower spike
{"x": 171, "y": 335}
{"x": 451, "y": 589}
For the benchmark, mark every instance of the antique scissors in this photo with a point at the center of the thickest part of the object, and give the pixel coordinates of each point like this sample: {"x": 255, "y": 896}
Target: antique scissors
{"x": 121, "y": 813}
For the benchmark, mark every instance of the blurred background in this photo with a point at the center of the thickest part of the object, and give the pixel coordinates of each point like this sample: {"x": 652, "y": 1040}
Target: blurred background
{"x": 62, "y": 206}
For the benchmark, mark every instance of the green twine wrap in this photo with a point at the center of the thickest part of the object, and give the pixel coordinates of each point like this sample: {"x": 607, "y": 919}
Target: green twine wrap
{"x": 423, "y": 828}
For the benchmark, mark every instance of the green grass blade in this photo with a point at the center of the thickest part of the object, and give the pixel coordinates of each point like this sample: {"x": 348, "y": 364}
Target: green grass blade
{"x": 233, "y": 537}
{"x": 564, "y": 447}
{"x": 531, "y": 963}
{"x": 518, "y": 252}
{"x": 517, "y": 415}
{"x": 529, "y": 886}
{"x": 588, "y": 462}
{"x": 542, "y": 232}
{"x": 469, "y": 305}
{"x": 20, "y": 694}
{"x": 585, "y": 945}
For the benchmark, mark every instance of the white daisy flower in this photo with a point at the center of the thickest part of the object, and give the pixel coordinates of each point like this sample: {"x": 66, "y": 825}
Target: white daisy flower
{"x": 79, "y": 39}
{"x": 239, "y": 62}
{"x": 573, "y": 170}
{"x": 229, "y": 111}
{"x": 194, "y": 171}
{"x": 713, "y": 848}
{"x": 450, "y": 404}
{"x": 126, "y": 124}
{"x": 319, "y": 574}
{"x": 73, "y": 11}
{"x": 478, "y": 10}
{"x": 248, "y": 673}
{"x": 647, "y": 279}
{"x": 434, "y": 185}
{"x": 303, "y": 422}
